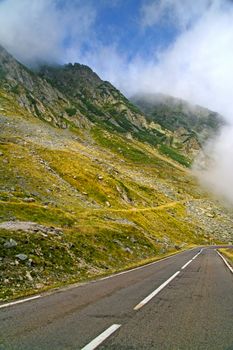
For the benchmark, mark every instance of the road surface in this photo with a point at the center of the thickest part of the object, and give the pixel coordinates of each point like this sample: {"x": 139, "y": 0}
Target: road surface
{"x": 182, "y": 302}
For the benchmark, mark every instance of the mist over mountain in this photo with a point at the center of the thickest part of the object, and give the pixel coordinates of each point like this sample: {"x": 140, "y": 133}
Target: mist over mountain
{"x": 173, "y": 113}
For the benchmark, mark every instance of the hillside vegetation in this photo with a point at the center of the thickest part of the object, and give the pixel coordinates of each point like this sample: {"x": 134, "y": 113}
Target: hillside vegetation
{"x": 188, "y": 126}
{"x": 87, "y": 185}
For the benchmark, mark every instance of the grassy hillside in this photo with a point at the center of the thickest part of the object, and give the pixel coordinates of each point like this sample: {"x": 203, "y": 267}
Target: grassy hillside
{"x": 89, "y": 185}
{"x": 115, "y": 202}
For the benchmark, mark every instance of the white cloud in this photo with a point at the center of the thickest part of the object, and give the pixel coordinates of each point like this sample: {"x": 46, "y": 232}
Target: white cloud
{"x": 35, "y": 31}
{"x": 217, "y": 176}
{"x": 198, "y": 66}
{"x": 180, "y": 13}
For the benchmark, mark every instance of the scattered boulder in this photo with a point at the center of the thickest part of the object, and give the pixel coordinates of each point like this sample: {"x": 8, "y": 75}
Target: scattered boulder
{"x": 21, "y": 257}
{"x": 28, "y": 226}
{"x": 128, "y": 250}
{"x": 123, "y": 195}
{"x": 29, "y": 200}
{"x": 29, "y": 276}
{"x": 10, "y": 244}
{"x": 30, "y": 262}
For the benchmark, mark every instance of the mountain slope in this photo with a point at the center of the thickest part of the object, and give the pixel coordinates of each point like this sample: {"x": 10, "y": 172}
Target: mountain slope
{"x": 31, "y": 92}
{"x": 74, "y": 96}
{"x": 189, "y": 126}
{"x": 71, "y": 95}
{"x": 86, "y": 199}
{"x": 97, "y": 99}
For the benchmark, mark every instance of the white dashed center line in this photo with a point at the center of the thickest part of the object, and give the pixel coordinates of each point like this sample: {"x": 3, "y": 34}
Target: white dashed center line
{"x": 162, "y": 286}
{"x": 102, "y": 337}
{"x": 155, "y": 292}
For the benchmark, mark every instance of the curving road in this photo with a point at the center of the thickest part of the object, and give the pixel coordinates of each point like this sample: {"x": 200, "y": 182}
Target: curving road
{"x": 182, "y": 302}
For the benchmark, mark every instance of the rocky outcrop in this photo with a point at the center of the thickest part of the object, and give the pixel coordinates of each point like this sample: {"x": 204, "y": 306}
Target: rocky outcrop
{"x": 33, "y": 93}
{"x": 27, "y": 226}
{"x": 188, "y": 125}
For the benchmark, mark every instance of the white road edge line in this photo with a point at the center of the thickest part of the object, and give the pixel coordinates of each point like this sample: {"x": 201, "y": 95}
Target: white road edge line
{"x": 102, "y": 337}
{"x": 143, "y": 266}
{"x": 155, "y": 292}
{"x": 20, "y": 301}
{"x": 228, "y": 265}
{"x": 95, "y": 281}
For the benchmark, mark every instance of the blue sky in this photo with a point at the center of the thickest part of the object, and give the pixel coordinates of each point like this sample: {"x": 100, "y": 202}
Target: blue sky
{"x": 120, "y": 22}
{"x": 81, "y": 25}
{"x": 61, "y": 30}
{"x": 178, "y": 47}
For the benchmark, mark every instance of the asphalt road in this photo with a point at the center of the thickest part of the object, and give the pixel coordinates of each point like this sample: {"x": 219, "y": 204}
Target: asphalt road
{"x": 160, "y": 306}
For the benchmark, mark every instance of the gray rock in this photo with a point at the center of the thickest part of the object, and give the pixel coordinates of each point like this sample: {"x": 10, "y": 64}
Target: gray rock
{"x": 29, "y": 276}
{"x": 30, "y": 262}
{"x": 10, "y": 244}
{"x": 28, "y": 226}
{"x": 128, "y": 250}
{"x": 21, "y": 257}
{"x": 29, "y": 200}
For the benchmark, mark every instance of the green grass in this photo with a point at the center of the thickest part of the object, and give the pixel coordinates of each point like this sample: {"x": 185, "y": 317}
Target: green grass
{"x": 71, "y": 183}
{"x": 124, "y": 149}
{"x": 71, "y": 111}
{"x": 34, "y": 212}
{"x": 100, "y": 243}
{"x": 73, "y": 256}
{"x": 173, "y": 154}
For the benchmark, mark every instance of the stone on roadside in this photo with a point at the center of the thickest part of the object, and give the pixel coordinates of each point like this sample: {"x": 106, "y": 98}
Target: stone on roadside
{"x": 21, "y": 257}
{"x": 29, "y": 276}
{"x": 10, "y": 244}
{"x": 29, "y": 200}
